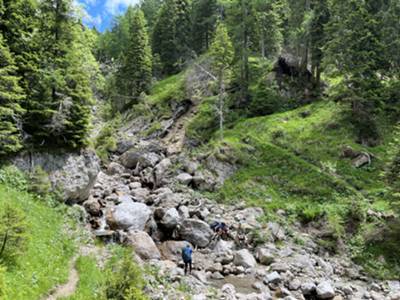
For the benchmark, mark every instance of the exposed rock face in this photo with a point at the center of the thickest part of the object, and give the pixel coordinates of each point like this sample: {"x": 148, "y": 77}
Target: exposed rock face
{"x": 196, "y": 232}
{"x": 74, "y": 174}
{"x": 143, "y": 245}
{"x": 130, "y": 215}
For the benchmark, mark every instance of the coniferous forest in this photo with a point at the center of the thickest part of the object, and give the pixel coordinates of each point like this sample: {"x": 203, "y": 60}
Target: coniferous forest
{"x": 216, "y": 107}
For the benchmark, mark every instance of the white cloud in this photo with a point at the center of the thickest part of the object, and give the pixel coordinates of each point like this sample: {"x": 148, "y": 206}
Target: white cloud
{"x": 116, "y": 6}
{"x": 88, "y": 19}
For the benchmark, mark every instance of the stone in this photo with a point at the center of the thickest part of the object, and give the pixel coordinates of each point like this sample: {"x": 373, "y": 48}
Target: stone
{"x": 228, "y": 289}
{"x": 184, "y": 178}
{"x": 264, "y": 256}
{"x": 362, "y": 160}
{"x": 325, "y": 290}
{"x": 196, "y": 232}
{"x": 74, "y": 174}
{"x": 308, "y": 287}
{"x": 130, "y": 215}
{"x": 143, "y": 245}
{"x": 273, "y": 277}
{"x": 115, "y": 169}
{"x": 171, "y": 218}
{"x": 190, "y": 167}
{"x": 172, "y": 250}
{"x": 294, "y": 284}
{"x": 199, "y": 297}
{"x": 277, "y": 231}
{"x": 140, "y": 194}
{"x": 376, "y": 296}
{"x": 184, "y": 212}
{"x": 223, "y": 246}
{"x": 135, "y": 185}
{"x": 162, "y": 168}
{"x": 93, "y": 207}
{"x": 134, "y": 157}
{"x": 244, "y": 258}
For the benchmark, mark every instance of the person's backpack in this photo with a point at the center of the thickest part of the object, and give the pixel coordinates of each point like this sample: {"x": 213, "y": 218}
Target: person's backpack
{"x": 187, "y": 253}
{"x": 214, "y": 225}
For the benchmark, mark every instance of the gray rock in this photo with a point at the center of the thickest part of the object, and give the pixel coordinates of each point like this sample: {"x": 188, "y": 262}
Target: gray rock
{"x": 133, "y": 157}
{"x": 196, "y": 232}
{"x": 171, "y": 218}
{"x": 308, "y": 287}
{"x": 191, "y": 167}
{"x": 130, "y": 215}
{"x": 184, "y": 212}
{"x": 273, "y": 277}
{"x": 325, "y": 290}
{"x": 140, "y": 194}
{"x": 277, "y": 231}
{"x": 143, "y": 245}
{"x": 162, "y": 168}
{"x": 115, "y": 169}
{"x": 184, "y": 178}
{"x": 74, "y": 174}
{"x": 294, "y": 284}
{"x": 135, "y": 185}
{"x": 244, "y": 258}
{"x": 172, "y": 250}
{"x": 264, "y": 256}
{"x": 93, "y": 207}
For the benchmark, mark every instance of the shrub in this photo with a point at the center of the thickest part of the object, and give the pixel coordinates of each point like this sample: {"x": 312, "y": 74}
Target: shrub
{"x": 11, "y": 176}
{"x": 39, "y": 182}
{"x": 105, "y": 141}
{"x": 13, "y": 230}
{"x": 124, "y": 278}
{"x": 266, "y": 100}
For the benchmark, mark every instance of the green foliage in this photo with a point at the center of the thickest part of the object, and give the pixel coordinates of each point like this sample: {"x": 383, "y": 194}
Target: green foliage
{"x": 11, "y": 176}
{"x": 204, "y": 20}
{"x": 47, "y": 251}
{"x": 134, "y": 76}
{"x": 13, "y": 234}
{"x": 39, "y": 182}
{"x": 267, "y": 100}
{"x": 124, "y": 277}
{"x": 3, "y": 285}
{"x": 106, "y": 140}
{"x": 11, "y": 95}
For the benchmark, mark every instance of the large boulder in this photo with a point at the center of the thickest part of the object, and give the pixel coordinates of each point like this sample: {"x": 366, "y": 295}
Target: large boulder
{"x": 143, "y": 245}
{"x": 244, "y": 258}
{"x": 133, "y": 157}
{"x": 172, "y": 250}
{"x": 196, "y": 232}
{"x": 130, "y": 215}
{"x": 74, "y": 174}
{"x": 170, "y": 218}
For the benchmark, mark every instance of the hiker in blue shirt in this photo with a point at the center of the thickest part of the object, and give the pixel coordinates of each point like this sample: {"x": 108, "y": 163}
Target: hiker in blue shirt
{"x": 187, "y": 258}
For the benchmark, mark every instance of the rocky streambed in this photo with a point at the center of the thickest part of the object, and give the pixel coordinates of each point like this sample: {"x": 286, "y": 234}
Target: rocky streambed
{"x": 151, "y": 201}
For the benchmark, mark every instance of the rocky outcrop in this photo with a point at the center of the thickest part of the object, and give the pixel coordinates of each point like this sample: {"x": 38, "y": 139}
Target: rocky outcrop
{"x": 74, "y": 174}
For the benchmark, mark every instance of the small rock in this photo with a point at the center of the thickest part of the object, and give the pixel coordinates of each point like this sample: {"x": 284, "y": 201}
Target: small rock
{"x": 115, "y": 168}
{"x": 244, "y": 258}
{"x": 273, "y": 277}
{"x": 184, "y": 178}
{"x": 325, "y": 290}
{"x": 308, "y": 288}
{"x": 264, "y": 256}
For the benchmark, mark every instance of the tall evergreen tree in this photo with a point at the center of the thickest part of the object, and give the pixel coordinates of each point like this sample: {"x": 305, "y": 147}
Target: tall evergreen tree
{"x": 355, "y": 49}
{"x": 58, "y": 111}
{"x": 205, "y": 13}
{"x": 134, "y": 76}
{"x": 150, "y": 9}
{"x": 11, "y": 94}
{"x": 171, "y": 35}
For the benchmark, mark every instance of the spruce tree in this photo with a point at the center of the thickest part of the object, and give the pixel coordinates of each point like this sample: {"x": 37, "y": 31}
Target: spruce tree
{"x": 11, "y": 94}
{"x": 134, "y": 76}
{"x": 205, "y": 13}
{"x": 355, "y": 49}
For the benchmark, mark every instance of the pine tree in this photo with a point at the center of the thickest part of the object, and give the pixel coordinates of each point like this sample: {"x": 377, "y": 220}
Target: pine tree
{"x": 150, "y": 9}
{"x": 222, "y": 53}
{"x": 355, "y": 49}
{"x": 58, "y": 111}
{"x": 171, "y": 35}
{"x": 134, "y": 76}
{"x": 205, "y": 13}
{"x": 11, "y": 94}
{"x": 164, "y": 38}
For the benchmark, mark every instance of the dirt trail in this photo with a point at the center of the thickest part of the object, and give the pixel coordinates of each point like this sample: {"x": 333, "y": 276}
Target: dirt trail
{"x": 69, "y": 288}
{"x": 175, "y": 139}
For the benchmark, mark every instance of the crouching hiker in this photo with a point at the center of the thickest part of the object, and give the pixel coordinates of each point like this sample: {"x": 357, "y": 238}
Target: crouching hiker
{"x": 187, "y": 258}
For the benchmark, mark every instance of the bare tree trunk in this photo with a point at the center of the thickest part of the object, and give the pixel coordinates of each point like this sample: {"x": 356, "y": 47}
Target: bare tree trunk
{"x": 3, "y": 247}
{"x": 221, "y": 103}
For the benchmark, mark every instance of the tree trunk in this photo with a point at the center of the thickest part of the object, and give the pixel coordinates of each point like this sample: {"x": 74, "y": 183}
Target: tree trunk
{"x": 3, "y": 247}
{"x": 221, "y": 103}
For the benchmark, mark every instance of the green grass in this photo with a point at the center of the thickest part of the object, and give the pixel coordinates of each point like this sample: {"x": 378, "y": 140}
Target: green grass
{"x": 91, "y": 279}
{"x": 292, "y": 161}
{"x": 45, "y": 261}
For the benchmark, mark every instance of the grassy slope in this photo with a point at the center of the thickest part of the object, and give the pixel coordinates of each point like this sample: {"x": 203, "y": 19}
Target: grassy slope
{"x": 292, "y": 161}
{"x": 45, "y": 263}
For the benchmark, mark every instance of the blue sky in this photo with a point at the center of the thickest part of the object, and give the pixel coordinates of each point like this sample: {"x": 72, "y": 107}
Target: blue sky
{"x": 100, "y": 13}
